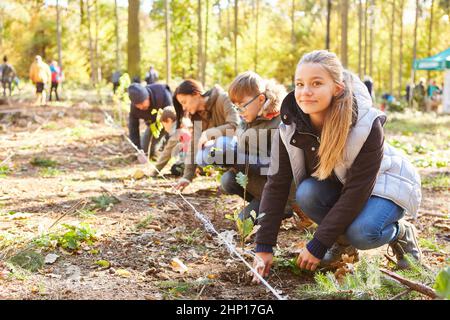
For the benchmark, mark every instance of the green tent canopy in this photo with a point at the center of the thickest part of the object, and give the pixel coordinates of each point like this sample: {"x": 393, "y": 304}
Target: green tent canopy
{"x": 440, "y": 61}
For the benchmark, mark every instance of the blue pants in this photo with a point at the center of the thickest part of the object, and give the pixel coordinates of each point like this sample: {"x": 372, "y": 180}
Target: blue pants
{"x": 376, "y": 225}
{"x": 224, "y": 148}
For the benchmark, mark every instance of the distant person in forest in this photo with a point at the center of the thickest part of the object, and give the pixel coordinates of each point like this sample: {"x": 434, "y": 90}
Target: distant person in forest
{"x": 41, "y": 76}
{"x": 151, "y": 76}
{"x": 419, "y": 94}
{"x": 8, "y": 74}
{"x": 115, "y": 79}
{"x": 145, "y": 104}
{"x": 433, "y": 99}
{"x": 177, "y": 144}
{"x": 56, "y": 79}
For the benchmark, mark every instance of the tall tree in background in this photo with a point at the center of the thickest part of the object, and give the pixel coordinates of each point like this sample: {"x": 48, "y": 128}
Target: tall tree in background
{"x": 391, "y": 49}
{"x": 255, "y": 55}
{"x": 400, "y": 49}
{"x": 91, "y": 44}
{"x": 205, "y": 53}
{"x": 344, "y": 31}
{"x": 167, "y": 23}
{"x": 117, "y": 35}
{"x": 97, "y": 58}
{"x": 416, "y": 23}
{"x": 134, "y": 53}
{"x": 327, "y": 37}
{"x": 371, "y": 42}
{"x": 293, "y": 39}
{"x": 199, "y": 39}
{"x": 366, "y": 9}
{"x": 430, "y": 33}
{"x": 235, "y": 37}
{"x": 359, "y": 37}
{"x": 58, "y": 32}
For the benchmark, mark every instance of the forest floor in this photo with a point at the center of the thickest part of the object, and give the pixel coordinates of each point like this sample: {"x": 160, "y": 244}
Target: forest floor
{"x": 66, "y": 165}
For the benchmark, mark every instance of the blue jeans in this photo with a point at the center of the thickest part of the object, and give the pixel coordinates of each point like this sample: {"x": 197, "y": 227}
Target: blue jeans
{"x": 224, "y": 148}
{"x": 376, "y": 225}
{"x": 229, "y": 185}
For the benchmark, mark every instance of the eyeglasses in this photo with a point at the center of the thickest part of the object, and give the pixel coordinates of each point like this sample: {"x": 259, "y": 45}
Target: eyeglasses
{"x": 245, "y": 105}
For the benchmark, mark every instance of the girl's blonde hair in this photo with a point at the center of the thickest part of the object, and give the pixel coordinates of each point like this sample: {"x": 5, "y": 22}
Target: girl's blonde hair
{"x": 251, "y": 84}
{"x": 338, "y": 119}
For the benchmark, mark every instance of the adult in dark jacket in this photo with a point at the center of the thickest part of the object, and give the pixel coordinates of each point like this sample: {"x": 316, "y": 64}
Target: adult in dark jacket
{"x": 145, "y": 103}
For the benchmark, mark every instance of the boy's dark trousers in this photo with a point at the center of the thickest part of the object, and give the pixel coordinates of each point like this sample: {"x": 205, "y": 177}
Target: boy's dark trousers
{"x": 55, "y": 87}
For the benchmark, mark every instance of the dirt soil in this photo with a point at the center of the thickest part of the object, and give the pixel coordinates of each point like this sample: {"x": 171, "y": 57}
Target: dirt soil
{"x": 94, "y": 159}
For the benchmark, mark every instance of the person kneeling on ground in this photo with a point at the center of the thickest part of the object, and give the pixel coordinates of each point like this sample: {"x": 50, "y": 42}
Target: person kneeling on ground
{"x": 145, "y": 104}
{"x": 177, "y": 143}
{"x": 355, "y": 186}
{"x": 212, "y": 115}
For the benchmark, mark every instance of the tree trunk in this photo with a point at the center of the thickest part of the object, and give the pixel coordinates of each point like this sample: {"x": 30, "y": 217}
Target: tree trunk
{"x": 293, "y": 24}
{"x": 359, "y": 37}
{"x": 205, "y": 54}
{"x": 366, "y": 6}
{"x": 256, "y": 35}
{"x": 327, "y": 37}
{"x": 82, "y": 15}
{"x": 371, "y": 27}
{"x": 228, "y": 18}
{"x": 391, "y": 50}
{"x": 219, "y": 9}
{"x": 416, "y": 23}
{"x": 168, "y": 59}
{"x": 116, "y": 30}
{"x": 430, "y": 34}
{"x": 344, "y": 30}
{"x": 97, "y": 59}
{"x": 199, "y": 40}
{"x": 134, "y": 54}
{"x": 293, "y": 40}
{"x": 400, "y": 53}
{"x": 235, "y": 37}
{"x": 91, "y": 45}
{"x": 58, "y": 32}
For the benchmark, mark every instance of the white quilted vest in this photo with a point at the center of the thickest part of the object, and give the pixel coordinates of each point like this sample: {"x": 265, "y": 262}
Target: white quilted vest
{"x": 397, "y": 179}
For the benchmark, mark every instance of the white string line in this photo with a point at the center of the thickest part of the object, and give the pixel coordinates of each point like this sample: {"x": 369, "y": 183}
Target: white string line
{"x": 206, "y": 222}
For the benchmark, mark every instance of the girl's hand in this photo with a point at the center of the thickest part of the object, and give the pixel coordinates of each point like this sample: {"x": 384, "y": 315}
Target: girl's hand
{"x": 307, "y": 261}
{"x": 182, "y": 183}
{"x": 262, "y": 263}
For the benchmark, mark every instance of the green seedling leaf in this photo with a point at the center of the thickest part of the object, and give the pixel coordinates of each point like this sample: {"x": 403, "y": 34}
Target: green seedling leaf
{"x": 442, "y": 283}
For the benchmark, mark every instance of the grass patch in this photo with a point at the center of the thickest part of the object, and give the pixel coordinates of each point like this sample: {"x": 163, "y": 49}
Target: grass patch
{"x": 430, "y": 244}
{"x": 28, "y": 260}
{"x": 439, "y": 181}
{"x": 70, "y": 239}
{"x": 144, "y": 222}
{"x": 104, "y": 202}
{"x": 365, "y": 283}
{"x": 181, "y": 289}
{"x": 49, "y": 172}
{"x": 43, "y": 162}
{"x": 4, "y": 171}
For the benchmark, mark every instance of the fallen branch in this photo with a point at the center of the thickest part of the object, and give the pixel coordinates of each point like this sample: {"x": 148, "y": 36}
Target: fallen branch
{"x": 112, "y": 194}
{"x": 440, "y": 215}
{"x": 70, "y": 210}
{"x": 416, "y": 286}
{"x": 400, "y": 294}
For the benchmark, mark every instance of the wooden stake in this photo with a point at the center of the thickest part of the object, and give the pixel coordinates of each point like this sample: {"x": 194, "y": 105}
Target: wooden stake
{"x": 416, "y": 286}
